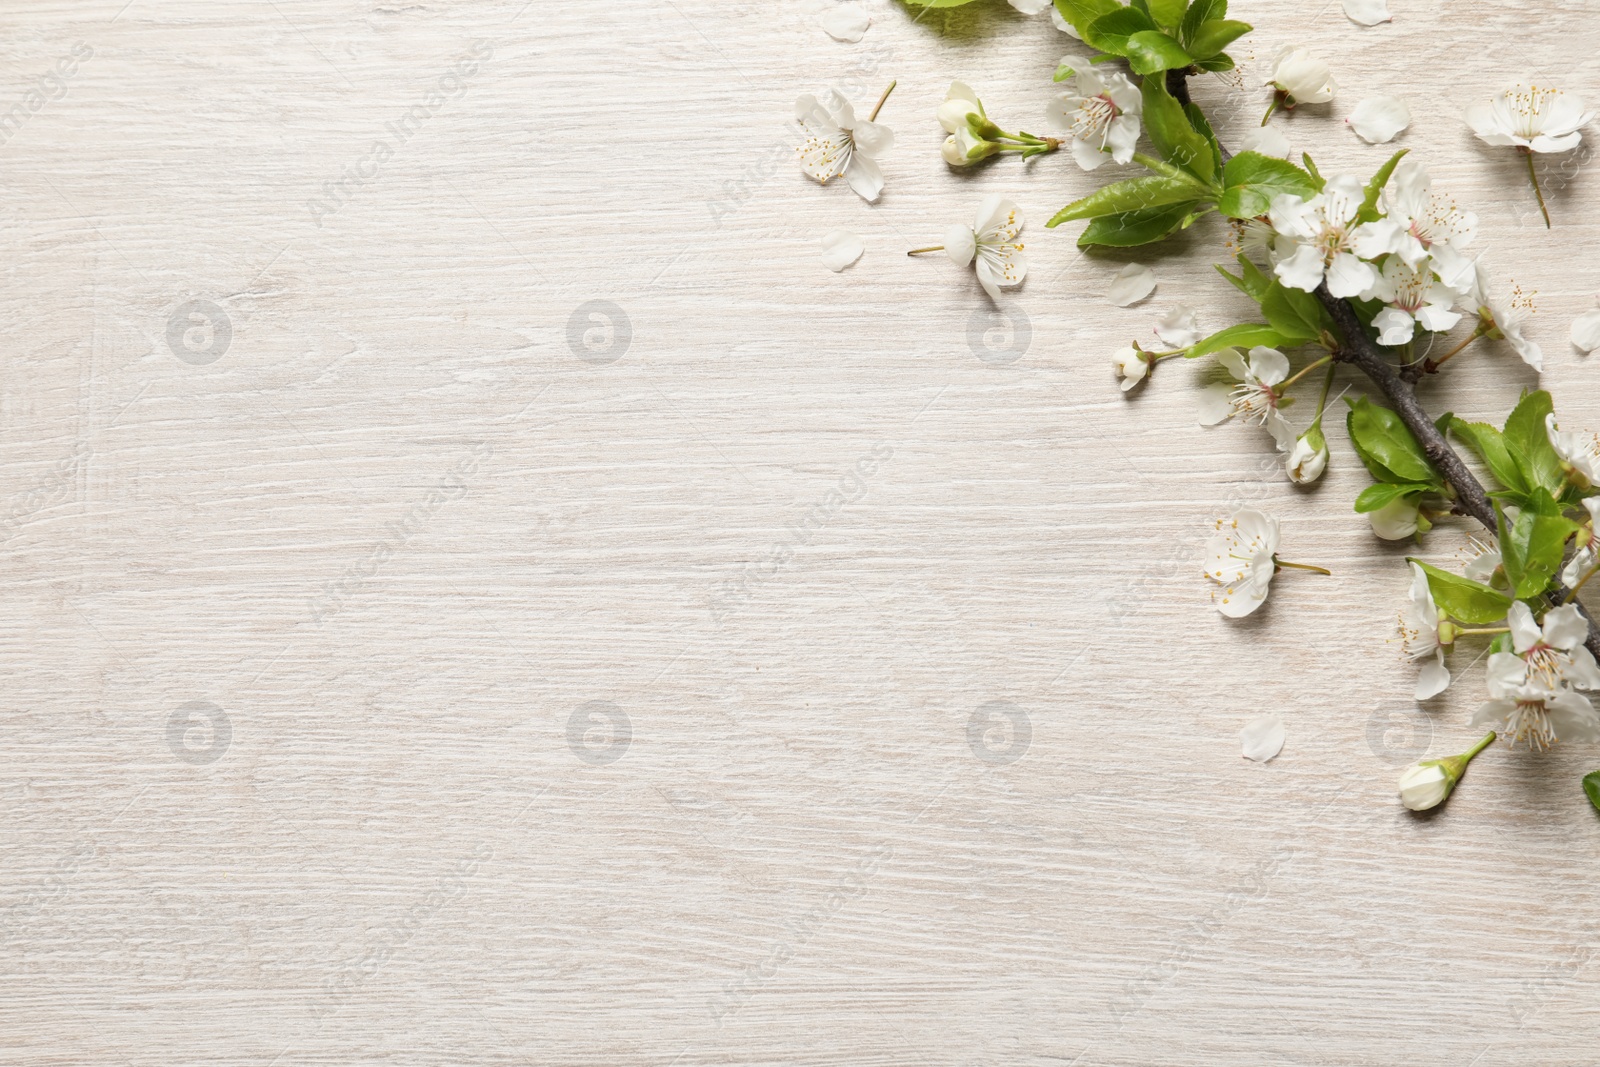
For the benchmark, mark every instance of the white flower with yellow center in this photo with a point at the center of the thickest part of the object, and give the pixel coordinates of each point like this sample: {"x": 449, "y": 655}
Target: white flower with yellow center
{"x": 1100, "y": 114}
{"x": 992, "y": 242}
{"x": 1416, "y": 297}
{"x": 1502, "y": 318}
{"x": 1522, "y": 709}
{"x": 1255, "y": 399}
{"x": 1531, "y": 117}
{"x": 1432, "y": 225}
{"x": 839, "y": 143}
{"x": 1241, "y": 557}
{"x": 1579, "y": 453}
{"x": 1419, "y": 629}
{"x": 1327, "y": 241}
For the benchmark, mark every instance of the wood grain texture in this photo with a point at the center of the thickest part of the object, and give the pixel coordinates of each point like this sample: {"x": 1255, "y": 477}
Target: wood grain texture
{"x": 400, "y": 687}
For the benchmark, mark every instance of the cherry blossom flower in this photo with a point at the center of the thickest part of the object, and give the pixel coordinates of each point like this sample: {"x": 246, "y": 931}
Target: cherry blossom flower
{"x": 1484, "y": 562}
{"x": 992, "y": 242}
{"x": 1415, "y": 297}
{"x": 1522, "y": 709}
{"x": 1255, "y": 399}
{"x": 839, "y": 143}
{"x": 1501, "y": 318}
{"x": 1397, "y": 520}
{"x": 959, "y": 102}
{"x": 1241, "y": 557}
{"x": 1298, "y": 78}
{"x": 1100, "y": 113}
{"x": 1579, "y": 453}
{"x": 1308, "y": 458}
{"x": 1554, "y": 652}
{"x": 1587, "y": 552}
{"x": 1132, "y": 365}
{"x": 1530, "y": 117}
{"x": 1429, "y": 783}
{"x": 1432, "y": 225}
{"x": 1419, "y": 629}
{"x": 1328, "y": 242}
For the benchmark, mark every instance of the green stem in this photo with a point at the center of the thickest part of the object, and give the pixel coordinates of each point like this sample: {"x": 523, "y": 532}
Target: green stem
{"x": 1322, "y": 401}
{"x": 1431, "y": 366}
{"x": 1300, "y": 566}
{"x": 1527, "y": 153}
{"x": 1278, "y": 97}
{"x": 1486, "y": 630}
{"x": 1479, "y": 747}
{"x": 1307, "y": 369}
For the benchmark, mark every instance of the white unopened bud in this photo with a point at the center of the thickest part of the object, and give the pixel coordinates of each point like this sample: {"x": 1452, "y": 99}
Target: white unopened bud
{"x": 1131, "y": 366}
{"x": 962, "y": 148}
{"x": 1308, "y": 458}
{"x": 1429, "y": 783}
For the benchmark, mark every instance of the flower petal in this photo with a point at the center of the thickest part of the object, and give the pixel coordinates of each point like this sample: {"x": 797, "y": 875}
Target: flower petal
{"x": 1215, "y": 404}
{"x": 1378, "y": 119}
{"x": 1177, "y": 328}
{"x": 1132, "y": 284}
{"x": 1525, "y": 633}
{"x": 1268, "y": 141}
{"x": 1303, "y": 270}
{"x": 1586, "y": 331}
{"x": 872, "y": 139}
{"x": 959, "y": 244}
{"x": 840, "y": 248}
{"x": 1564, "y": 627}
{"x": 846, "y": 22}
{"x": 1262, "y": 738}
{"x": 864, "y": 177}
{"x": 1434, "y": 678}
{"x": 1367, "y": 12}
{"x": 1348, "y": 276}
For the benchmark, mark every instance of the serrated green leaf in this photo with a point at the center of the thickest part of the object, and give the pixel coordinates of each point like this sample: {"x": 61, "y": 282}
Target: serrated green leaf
{"x": 1080, "y": 14}
{"x": 1464, "y": 599}
{"x": 1136, "y": 227}
{"x": 1369, "y": 204}
{"x": 1529, "y": 444}
{"x": 1215, "y": 35}
{"x": 1490, "y": 445}
{"x": 1202, "y": 126}
{"x": 1250, "y": 280}
{"x": 1217, "y": 63}
{"x": 1178, "y": 142}
{"x": 1135, "y": 194}
{"x": 1152, "y": 51}
{"x": 1591, "y": 788}
{"x": 1110, "y": 32}
{"x": 1294, "y": 312}
{"x": 1382, "y": 494}
{"x": 1387, "y": 448}
{"x": 1311, "y": 169}
{"x": 1199, "y": 13}
{"x": 1169, "y": 13}
{"x": 1246, "y": 335}
{"x": 938, "y": 3}
{"x": 1536, "y": 542}
{"x": 1252, "y": 181}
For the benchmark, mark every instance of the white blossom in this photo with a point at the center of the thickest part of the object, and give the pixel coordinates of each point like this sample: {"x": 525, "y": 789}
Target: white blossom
{"x": 1301, "y": 77}
{"x": 959, "y": 102}
{"x": 1432, "y": 225}
{"x": 1131, "y": 366}
{"x": 1240, "y": 558}
{"x": 1308, "y": 458}
{"x": 1579, "y": 453}
{"x": 839, "y": 143}
{"x": 1100, "y": 113}
{"x": 1587, "y": 550}
{"x": 1502, "y": 317}
{"x": 1415, "y": 297}
{"x": 1397, "y": 520}
{"x": 1520, "y": 708}
{"x": 1327, "y": 241}
{"x": 992, "y": 242}
{"x": 1419, "y": 629}
{"x": 1255, "y": 399}
{"x": 1424, "y": 785}
{"x": 1532, "y": 117}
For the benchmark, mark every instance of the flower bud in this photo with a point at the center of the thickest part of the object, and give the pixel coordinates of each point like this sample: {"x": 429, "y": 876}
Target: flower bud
{"x": 1308, "y": 458}
{"x": 1396, "y": 520}
{"x": 1429, "y": 783}
{"x": 962, "y": 148}
{"x": 1131, "y": 366}
{"x": 954, "y": 111}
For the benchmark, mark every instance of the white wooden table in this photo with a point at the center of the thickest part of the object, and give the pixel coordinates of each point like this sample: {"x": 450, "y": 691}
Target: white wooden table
{"x": 404, "y": 665}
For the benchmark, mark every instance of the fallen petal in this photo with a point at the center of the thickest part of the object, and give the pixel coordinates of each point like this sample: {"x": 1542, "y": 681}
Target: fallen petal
{"x": 1266, "y": 140}
{"x": 1367, "y": 12}
{"x": 1377, "y": 119}
{"x": 1177, "y": 328}
{"x": 847, "y": 22}
{"x": 1132, "y": 284}
{"x": 841, "y": 248}
{"x": 1586, "y": 331}
{"x": 1262, "y": 738}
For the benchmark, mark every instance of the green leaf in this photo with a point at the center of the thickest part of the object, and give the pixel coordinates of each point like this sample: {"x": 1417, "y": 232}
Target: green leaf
{"x": 1178, "y": 142}
{"x": 1136, "y": 194}
{"x": 938, "y": 3}
{"x": 1136, "y": 227}
{"x": 1387, "y": 448}
{"x": 1591, "y": 788}
{"x": 1200, "y": 12}
{"x": 1490, "y": 445}
{"x": 1082, "y": 13}
{"x": 1369, "y": 204}
{"x": 1382, "y": 494}
{"x": 1246, "y": 335}
{"x": 1464, "y": 599}
{"x": 1249, "y": 281}
{"x": 1311, "y": 169}
{"x": 1168, "y": 13}
{"x": 1215, "y": 35}
{"x": 1529, "y": 444}
{"x": 1151, "y": 52}
{"x": 1216, "y": 64}
{"x": 1110, "y": 32}
{"x": 1197, "y": 119}
{"x": 1294, "y": 312}
{"x": 1536, "y": 543}
{"x": 1253, "y": 180}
